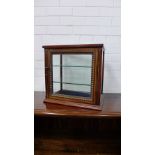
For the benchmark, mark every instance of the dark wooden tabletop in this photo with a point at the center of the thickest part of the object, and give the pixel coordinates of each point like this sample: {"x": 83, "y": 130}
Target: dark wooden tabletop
{"x": 111, "y": 107}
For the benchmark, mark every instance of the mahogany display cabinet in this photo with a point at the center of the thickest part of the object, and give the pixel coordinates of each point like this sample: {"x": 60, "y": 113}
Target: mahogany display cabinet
{"x": 74, "y": 75}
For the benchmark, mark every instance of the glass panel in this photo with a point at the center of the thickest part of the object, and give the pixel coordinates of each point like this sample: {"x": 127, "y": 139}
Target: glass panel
{"x": 84, "y": 60}
{"x": 82, "y": 88}
{"x": 72, "y": 75}
{"x": 56, "y": 72}
{"x": 56, "y": 59}
{"x": 56, "y": 87}
{"x": 78, "y": 75}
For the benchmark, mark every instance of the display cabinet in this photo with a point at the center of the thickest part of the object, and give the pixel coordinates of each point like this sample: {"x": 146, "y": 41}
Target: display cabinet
{"x": 74, "y": 75}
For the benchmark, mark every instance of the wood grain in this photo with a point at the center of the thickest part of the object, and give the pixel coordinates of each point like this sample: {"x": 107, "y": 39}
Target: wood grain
{"x": 73, "y": 131}
{"x": 97, "y": 52}
{"x": 73, "y": 46}
{"x": 111, "y": 107}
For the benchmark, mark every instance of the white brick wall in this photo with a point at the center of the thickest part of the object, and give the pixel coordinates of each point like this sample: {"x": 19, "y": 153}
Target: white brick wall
{"x": 79, "y": 22}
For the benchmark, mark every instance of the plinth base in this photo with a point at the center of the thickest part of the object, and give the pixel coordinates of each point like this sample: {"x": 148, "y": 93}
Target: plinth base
{"x": 53, "y": 102}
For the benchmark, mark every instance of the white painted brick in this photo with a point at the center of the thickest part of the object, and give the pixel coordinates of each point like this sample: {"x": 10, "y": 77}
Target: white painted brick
{"x": 41, "y": 39}
{"x": 38, "y": 39}
{"x": 96, "y": 11}
{"x": 86, "y": 11}
{"x": 112, "y": 89}
{"x": 110, "y": 30}
{"x": 79, "y": 22}
{"x": 109, "y": 11}
{"x": 112, "y": 44}
{"x": 116, "y": 21}
{"x": 115, "y": 51}
{"x": 72, "y": 2}
{"x": 112, "y": 49}
{"x": 113, "y": 41}
{"x": 108, "y": 3}
{"x": 48, "y": 11}
{"x": 39, "y": 55}
{"x": 110, "y": 66}
{"x": 112, "y": 85}
{"x": 86, "y": 30}
{"x": 67, "y": 20}
{"x": 53, "y": 30}
{"x": 39, "y": 65}
{"x": 85, "y": 21}
{"x": 55, "y": 40}
{"x": 38, "y": 47}
{"x": 39, "y": 84}
{"x": 47, "y": 20}
{"x": 46, "y": 2}
{"x": 97, "y": 21}
{"x": 100, "y": 39}
{"x": 86, "y": 40}
{"x": 117, "y": 3}
{"x": 112, "y": 57}
{"x": 60, "y": 39}
{"x": 112, "y": 74}
{"x": 96, "y": 30}
{"x": 111, "y": 79}
{"x": 39, "y": 73}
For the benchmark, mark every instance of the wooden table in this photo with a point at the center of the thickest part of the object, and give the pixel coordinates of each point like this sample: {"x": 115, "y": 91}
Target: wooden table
{"x": 72, "y": 131}
{"x": 111, "y": 108}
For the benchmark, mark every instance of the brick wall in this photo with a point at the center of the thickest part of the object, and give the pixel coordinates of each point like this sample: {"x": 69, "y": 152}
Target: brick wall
{"x": 79, "y": 22}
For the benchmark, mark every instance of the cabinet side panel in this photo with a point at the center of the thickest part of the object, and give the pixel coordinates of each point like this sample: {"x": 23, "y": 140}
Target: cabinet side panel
{"x": 98, "y": 83}
{"x": 102, "y": 71}
{"x": 47, "y": 72}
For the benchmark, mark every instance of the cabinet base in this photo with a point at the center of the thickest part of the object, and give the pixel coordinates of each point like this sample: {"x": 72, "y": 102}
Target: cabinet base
{"x": 52, "y": 102}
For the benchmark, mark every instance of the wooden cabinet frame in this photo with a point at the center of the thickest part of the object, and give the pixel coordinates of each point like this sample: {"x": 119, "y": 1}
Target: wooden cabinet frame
{"x": 97, "y": 52}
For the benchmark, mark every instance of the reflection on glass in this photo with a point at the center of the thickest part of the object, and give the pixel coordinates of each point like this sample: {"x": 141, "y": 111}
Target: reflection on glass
{"x": 72, "y": 75}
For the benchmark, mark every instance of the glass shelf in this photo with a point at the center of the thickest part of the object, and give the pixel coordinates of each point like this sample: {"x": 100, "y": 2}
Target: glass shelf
{"x": 72, "y": 83}
{"x": 72, "y": 66}
{"x": 73, "y": 93}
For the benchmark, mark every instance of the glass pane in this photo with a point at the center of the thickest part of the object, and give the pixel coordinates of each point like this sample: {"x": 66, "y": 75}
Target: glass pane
{"x": 78, "y": 75}
{"x": 56, "y": 72}
{"x": 77, "y": 60}
{"x": 72, "y": 75}
{"x": 82, "y": 88}
{"x": 56, "y": 87}
{"x": 56, "y": 59}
